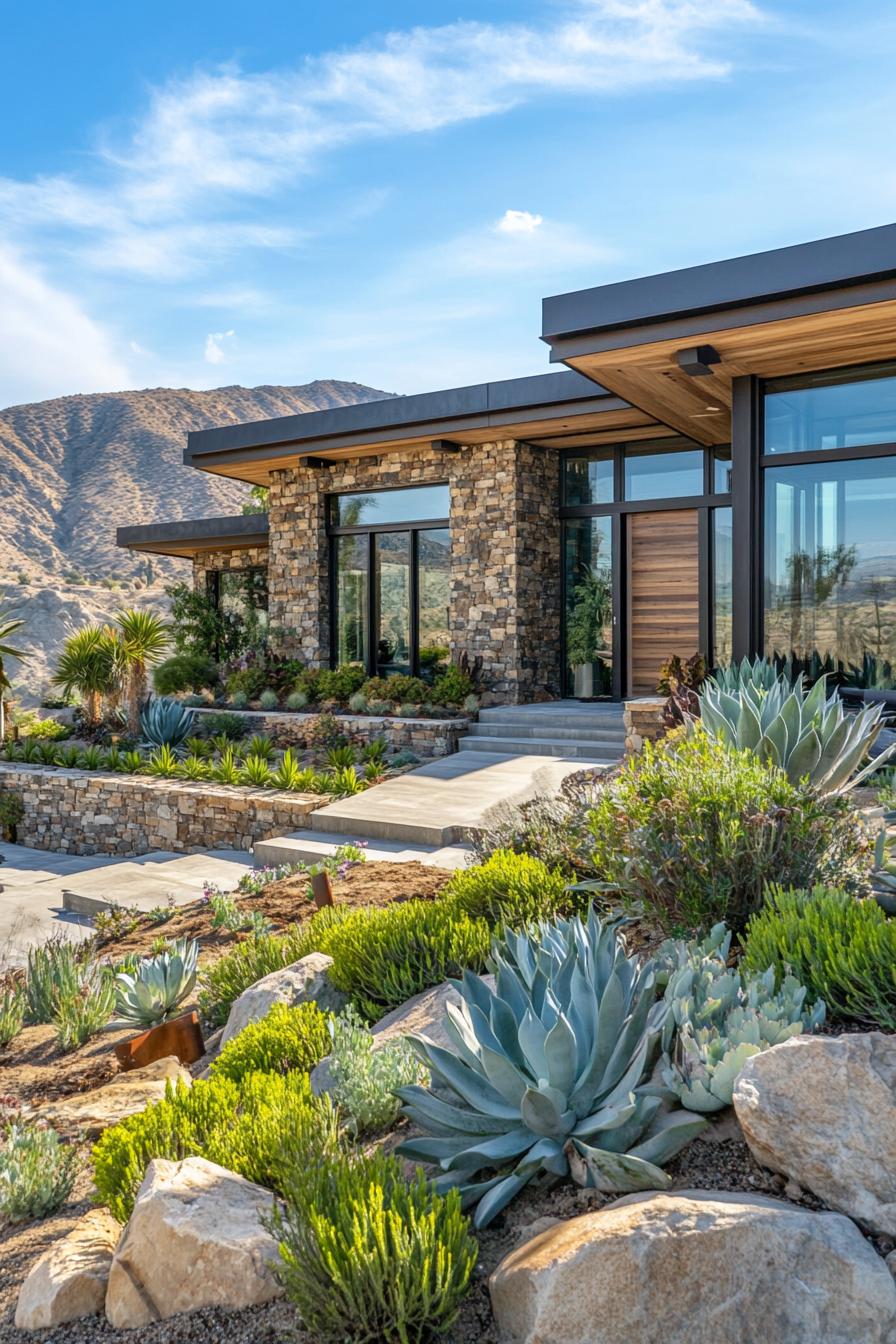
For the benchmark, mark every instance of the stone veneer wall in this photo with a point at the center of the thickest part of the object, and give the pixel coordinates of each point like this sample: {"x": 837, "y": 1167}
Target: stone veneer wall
{"x": 425, "y": 737}
{"x": 81, "y": 812}
{"x": 505, "y": 556}
{"x": 643, "y": 721}
{"x": 235, "y": 560}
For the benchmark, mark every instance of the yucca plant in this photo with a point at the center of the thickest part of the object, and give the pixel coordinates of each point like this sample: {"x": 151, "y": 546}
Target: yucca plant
{"x": 154, "y": 991}
{"x": 68, "y": 757}
{"x": 88, "y": 666}
{"x": 200, "y": 746}
{"x": 344, "y": 783}
{"x": 259, "y": 745}
{"x": 194, "y": 767}
{"x": 9, "y": 625}
{"x": 288, "y": 774}
{"x": 340, "y": 758}
{"x": 143, "y": 639}
{"x": 549, "y": 1071}
{"x": 227, "y": 770}
{"x": 255, "y": 772}
{"x": 165, "y": 723}
{"x": 805, "y": 735}
{"x": 132, "y": 762}
{"x": 163, "y": 763}
{"x": 91, "y": 758}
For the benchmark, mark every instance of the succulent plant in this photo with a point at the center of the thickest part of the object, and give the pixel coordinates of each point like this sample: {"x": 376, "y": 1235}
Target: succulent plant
{"x": 758, "y": 672}
{"x": 883, "y": 879}
{"x": 805, "y": 734}
{"x": 550, "y": 1071}
{"x": 719, "y": 1017}
{"x": 151, "y": 993}
{"x": 165, "y": 723}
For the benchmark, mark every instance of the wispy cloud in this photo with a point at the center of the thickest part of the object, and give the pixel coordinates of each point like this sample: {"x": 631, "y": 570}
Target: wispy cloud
{"x": 519, "y": 221}
{"x": 217, "y": 344}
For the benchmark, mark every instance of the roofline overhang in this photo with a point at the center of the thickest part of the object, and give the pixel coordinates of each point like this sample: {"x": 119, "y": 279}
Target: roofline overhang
{"x": 191, "y": 536}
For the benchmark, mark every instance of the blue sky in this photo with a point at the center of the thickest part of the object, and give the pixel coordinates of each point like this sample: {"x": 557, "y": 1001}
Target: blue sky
{"x": 211, "y": 193}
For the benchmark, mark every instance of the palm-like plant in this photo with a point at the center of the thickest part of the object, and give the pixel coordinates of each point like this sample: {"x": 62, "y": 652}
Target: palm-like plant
{"x": 88, "y": 666}
{"x": 142, "y": 639}
{"x": 9, "y": 624}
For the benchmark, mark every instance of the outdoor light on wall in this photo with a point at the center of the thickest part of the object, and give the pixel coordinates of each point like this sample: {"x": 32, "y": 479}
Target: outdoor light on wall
{"x": 697, "y": 362}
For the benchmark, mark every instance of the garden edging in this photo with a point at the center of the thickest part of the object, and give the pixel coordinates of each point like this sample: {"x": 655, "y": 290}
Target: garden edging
{"x": 425, "y": 737}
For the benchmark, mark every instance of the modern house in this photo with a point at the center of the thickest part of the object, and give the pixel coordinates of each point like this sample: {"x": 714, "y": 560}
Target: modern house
{"x": 714, "y": 470}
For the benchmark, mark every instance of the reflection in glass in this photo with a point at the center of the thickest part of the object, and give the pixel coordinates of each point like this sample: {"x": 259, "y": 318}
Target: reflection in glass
{"x": 433, "y": 561}
{"x": 588, "y": 566}
{"x": 351, "y": 599}
{"x": 830, "y": 564}
{"x": 650, "y": 474}
{"x": 419, "y": 502}
{"x": 588, "y": 480}
{"x": 721, "y": 585}
{"x": 392, "y": 557}
{"x": 721, "y": 471}
{"x": 835, "y": 410}
{"x": 243, "y": 594}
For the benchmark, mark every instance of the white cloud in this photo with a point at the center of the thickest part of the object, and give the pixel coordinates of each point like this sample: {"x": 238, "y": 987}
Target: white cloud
{"x": 519, "y": 221}
{"x": 47, "y": 342}
{"x": 217, "y": 344}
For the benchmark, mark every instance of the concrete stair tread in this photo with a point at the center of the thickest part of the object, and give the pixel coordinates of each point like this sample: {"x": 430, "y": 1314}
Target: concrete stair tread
{"x": 552, "y": 731}
{"x": 599, "y": 752}
{"x": 312, "y": 846}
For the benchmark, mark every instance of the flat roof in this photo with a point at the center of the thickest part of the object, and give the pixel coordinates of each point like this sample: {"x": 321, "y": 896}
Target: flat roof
{"x": 190, "y": 536}
{"x": 849, "y": 259}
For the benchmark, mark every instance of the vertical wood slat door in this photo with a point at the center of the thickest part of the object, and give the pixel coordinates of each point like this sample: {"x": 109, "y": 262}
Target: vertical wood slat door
{"x": 663, "y": 593}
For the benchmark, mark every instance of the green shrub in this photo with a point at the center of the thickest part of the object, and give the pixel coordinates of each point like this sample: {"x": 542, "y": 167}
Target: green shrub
{"x": 554, "y": 827}
{"x": 184, "y": 672}
{"x": 396, "y": 690}
{"x": 296, "y": 700}
{"x": 367, "y": 1257}
{"x": 324, "y": 731}
{"x": 268, "y": 700}
{"x": 241, "y": 1126}
{"x": 452, "y": 687}
{"x": 364, "y": 1079}
{"x": 841, "y": 949}
{"x": 341, "y": 683}
{"x": 12, "y": 1013}
{"x": 229, "y": 726}
{"x": 248, "y": 681}
{"x": 514, "y": 889}
{"x": 692, "y": 831}
{"x": 382, "y": 957}
{"x": 37, "y": 1172}
{"x": 286, "y": 1038}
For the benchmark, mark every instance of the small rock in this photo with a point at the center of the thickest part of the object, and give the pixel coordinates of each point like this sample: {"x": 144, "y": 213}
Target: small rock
{"x": 793, "y": 1191}
{"x": 696, "y": 1267}
{"x": 89, "y": 1113}
{"x": 822, "y": 1111}
{"x": 304, "y": 981}
{"x": 890, "y": 1263}
{"x": 194, "y": 1240}
{"x": 69, "y": 1280}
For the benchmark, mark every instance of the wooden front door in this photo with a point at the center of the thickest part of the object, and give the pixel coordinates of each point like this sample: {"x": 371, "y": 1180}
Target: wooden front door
{"x": 663, "y": 593}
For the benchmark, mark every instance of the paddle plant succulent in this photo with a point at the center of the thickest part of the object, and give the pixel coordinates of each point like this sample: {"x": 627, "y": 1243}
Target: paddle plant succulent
{"x": 155, "y": 989}
{"x": 805, "y": 734}
{"x": 719, "y": 1017}
{"x": 549, "y": 1071}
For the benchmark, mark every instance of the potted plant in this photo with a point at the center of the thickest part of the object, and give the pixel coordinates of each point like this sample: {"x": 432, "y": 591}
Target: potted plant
{"x": 592, "y": 606}
{"x": 149, "y": 997}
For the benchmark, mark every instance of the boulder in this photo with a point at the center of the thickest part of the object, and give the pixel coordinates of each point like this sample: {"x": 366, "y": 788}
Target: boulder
{"x": 822, "y": 1111}
{"x": 302, "y": 982}
{"x": 424, "y": 1015}
{"x": 69, "y": 1280}
{"x": 194, "y": 1240}
{"x": 89, "y": 1113}
{"x": 696, "y": 1267}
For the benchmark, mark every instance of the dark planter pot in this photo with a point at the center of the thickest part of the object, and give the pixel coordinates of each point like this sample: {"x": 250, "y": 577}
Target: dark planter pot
{"x": 181, "y": 1036}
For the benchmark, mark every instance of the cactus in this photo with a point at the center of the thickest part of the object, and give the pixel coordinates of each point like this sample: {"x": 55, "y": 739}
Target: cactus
{"x": 549, "y": 1071}
{"x": 718, "y": 1018}
{"x": 152, "y": 993}
{"x": 165, "y": 723}
{"x": 804, "y": 734}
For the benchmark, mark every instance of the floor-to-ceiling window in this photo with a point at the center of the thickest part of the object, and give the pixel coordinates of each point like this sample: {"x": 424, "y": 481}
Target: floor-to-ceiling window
{"x": 829, "y": 500}
{"x": 390, "y": 552}
{"x": 243, "y": 595}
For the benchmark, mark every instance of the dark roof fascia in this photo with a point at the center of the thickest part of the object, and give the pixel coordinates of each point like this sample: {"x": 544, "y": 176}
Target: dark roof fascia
{"x": 428, "y": 414}
{"x": 782, "y": 274}
{"x": 241, "y": 529}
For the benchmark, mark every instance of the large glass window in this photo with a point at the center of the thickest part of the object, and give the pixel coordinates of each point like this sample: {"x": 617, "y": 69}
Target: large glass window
{"x": 433, "y": 568}
{"x": 830, "y": 563}
{"x": 352, "y": 599}
{"x": 654, "y": 474}
{"x": 588, "y": 577}
{"x": 243, "y": 594}
{"x": 589, "y": 480}
{"x": 380, "y": 507}
{"x": 392, "y": 567}
{"x": 722, "y": 590}
{"x": 841, "y": 409}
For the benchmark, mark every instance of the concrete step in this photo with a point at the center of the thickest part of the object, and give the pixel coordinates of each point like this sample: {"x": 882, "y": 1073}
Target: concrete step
{"x": 600, "y": 753}
{"x": 312, "y": 847}
{"x": 611, "y": 734}
{"x": 562, "y": 713}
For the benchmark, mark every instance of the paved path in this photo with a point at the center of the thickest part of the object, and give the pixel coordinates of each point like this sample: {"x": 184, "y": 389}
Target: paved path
{"x": 34, "y": 884}
{"x": 438, "y": 803}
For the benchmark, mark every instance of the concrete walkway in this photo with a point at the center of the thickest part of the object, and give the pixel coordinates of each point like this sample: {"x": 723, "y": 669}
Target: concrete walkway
{"x": 438, "y": 803}
{"x": 38, "y": 885}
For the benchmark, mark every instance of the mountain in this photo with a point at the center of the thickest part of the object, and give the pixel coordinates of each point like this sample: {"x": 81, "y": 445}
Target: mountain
{"x": 74, "y": 469}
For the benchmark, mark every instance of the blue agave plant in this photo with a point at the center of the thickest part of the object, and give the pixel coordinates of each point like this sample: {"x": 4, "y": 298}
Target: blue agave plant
{"x": 550, "y": 1072}
{"x": 165, "y": 723}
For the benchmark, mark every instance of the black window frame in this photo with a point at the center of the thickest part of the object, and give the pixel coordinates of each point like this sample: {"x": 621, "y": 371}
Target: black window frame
{"x": 213, "y": 587}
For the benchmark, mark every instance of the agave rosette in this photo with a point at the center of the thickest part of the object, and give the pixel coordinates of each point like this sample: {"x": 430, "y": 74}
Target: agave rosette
{"x": 549, "y": 1072}
{"x": 152, "y": 992}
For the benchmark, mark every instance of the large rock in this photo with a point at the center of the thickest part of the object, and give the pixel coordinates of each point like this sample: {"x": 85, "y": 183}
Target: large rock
{"x": 424, "y": 1015}
{"x": 302, "y": 982}
{"x": 194, "y": 1240}
{"x": 696, "y": 1267}
{"x": 822, "y": 1110}
{"x": 69, "y": 1280}
{"x": 89, "y": 1113}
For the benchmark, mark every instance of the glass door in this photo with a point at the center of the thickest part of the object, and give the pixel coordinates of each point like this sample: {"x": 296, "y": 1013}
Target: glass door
{"x": 392, "y": 575}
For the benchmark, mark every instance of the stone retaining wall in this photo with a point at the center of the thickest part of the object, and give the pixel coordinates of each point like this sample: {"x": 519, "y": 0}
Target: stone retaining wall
{"x": 86, "y": 812}
{"x": 424, "y": 737}
{"x": 643, "y": 721}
